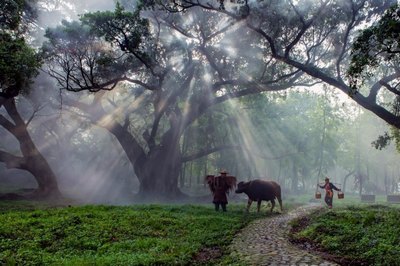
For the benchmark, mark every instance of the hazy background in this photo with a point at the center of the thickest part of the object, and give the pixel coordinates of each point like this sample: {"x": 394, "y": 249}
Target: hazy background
{"x": 295, "y": 137}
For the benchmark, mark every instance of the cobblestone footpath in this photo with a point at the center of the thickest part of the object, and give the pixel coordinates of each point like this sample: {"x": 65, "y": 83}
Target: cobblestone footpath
{"x": 264, "y": 242}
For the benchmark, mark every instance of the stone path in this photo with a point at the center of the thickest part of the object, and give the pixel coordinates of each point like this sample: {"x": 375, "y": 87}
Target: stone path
{"x": 264, "y": 242}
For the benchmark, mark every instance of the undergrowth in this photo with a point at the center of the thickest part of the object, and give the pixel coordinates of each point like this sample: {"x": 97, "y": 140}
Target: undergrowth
{"x": 368, "y": 235}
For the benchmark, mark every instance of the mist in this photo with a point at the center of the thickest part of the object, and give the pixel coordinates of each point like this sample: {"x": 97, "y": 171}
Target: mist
{"x": 209, "y": 95}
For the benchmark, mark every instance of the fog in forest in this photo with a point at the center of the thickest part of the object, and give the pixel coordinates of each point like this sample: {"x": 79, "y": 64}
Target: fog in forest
{"x": 224, "y": 103}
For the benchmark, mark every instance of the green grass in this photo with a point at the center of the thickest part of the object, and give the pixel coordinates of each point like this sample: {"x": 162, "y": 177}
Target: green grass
{"x": 364, "y": 233}
{"x": 32, "y": 234}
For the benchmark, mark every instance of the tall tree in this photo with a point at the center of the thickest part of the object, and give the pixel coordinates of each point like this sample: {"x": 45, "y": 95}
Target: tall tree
{"x": 172, "y": 71}
{"x": 19, "y": 64}
{"x": 375, "y": 53}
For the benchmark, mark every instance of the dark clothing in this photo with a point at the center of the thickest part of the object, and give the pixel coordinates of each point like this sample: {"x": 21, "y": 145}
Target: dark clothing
{"x": 329, "y": 187}
{"x": 223, "y": 205}
{"x": 329, "y": 200}
{"x": 221, "y": 188}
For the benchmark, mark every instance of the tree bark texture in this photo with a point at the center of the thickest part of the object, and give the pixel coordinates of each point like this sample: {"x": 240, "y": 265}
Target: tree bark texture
{"x": 31, "y": 160}
{"x": 158, "y": 173}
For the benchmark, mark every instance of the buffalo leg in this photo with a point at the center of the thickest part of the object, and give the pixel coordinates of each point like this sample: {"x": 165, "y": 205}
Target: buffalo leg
{"x": 280, "y": 203}
{"x": 273, "y": 204}
{"x": 248, "y": 205}
{"x": 258, "y": 205}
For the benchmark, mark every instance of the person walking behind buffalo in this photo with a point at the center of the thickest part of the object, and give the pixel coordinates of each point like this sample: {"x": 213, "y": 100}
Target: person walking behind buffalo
{"x": 220, "y": 186}
{"x": 329, "y": 187}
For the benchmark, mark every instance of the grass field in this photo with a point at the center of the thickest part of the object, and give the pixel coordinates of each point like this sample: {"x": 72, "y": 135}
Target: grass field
{"x": 32, "y": 234}
{"x": 42, "y": 234}
{"x": 353, "y": 232}
{"x": 359, "y": 234}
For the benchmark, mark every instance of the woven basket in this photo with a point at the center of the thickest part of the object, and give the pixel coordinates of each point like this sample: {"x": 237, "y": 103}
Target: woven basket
{"x": 340, "y": 195}
{"x": 317, "y": 195}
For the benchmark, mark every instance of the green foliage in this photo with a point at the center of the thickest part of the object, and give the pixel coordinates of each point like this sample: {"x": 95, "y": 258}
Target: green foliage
{"x": 107, "y": 235}
{"x": 19, "y": 63}
{"x": 102, "y": 46}
{"x": 87, "y": 58}
{"x": 374, "y": 45}
{"x": 382, "y": 141}
{"x": 71, "y": 31}
{"x": 126, "y": 29}
{"x": 369, "y": 234}
{"x": 10, "y": 14}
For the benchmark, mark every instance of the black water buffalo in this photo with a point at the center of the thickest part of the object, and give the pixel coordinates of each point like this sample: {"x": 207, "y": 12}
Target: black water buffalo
{"x": 259, "y": 190}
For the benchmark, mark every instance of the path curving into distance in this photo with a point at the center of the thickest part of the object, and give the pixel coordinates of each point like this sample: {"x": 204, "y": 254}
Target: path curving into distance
{"x": 265, "y": 242}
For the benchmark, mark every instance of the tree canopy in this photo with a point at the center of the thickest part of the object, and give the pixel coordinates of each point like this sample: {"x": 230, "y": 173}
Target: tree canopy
{"x": 19, "y": 62}
{"x": 377, "y": 44}
{"x": 304, "y": 36}
{"x": 375, "y": 53}
{"x": 170, "y": 68}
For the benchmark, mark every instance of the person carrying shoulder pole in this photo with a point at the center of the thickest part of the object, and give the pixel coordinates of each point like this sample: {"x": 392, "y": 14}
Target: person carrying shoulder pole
{"x": 329, "y": 187}
{"x": 220, "y": 187}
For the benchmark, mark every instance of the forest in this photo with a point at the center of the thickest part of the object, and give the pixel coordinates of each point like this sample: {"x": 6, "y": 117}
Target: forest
{"x": 136, "y": 101}
{"x": 147, "y": 98}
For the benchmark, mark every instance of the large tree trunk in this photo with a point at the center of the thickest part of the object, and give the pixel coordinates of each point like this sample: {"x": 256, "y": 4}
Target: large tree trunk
{"x": 32, "y": 160}
{"x": 44, "y": 175}
{"x": 158, "y": 173}
{"x": 158, "y": 170}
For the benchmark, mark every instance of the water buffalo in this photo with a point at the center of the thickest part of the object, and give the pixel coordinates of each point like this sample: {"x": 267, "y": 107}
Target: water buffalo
{"x": 259, "y": 190}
